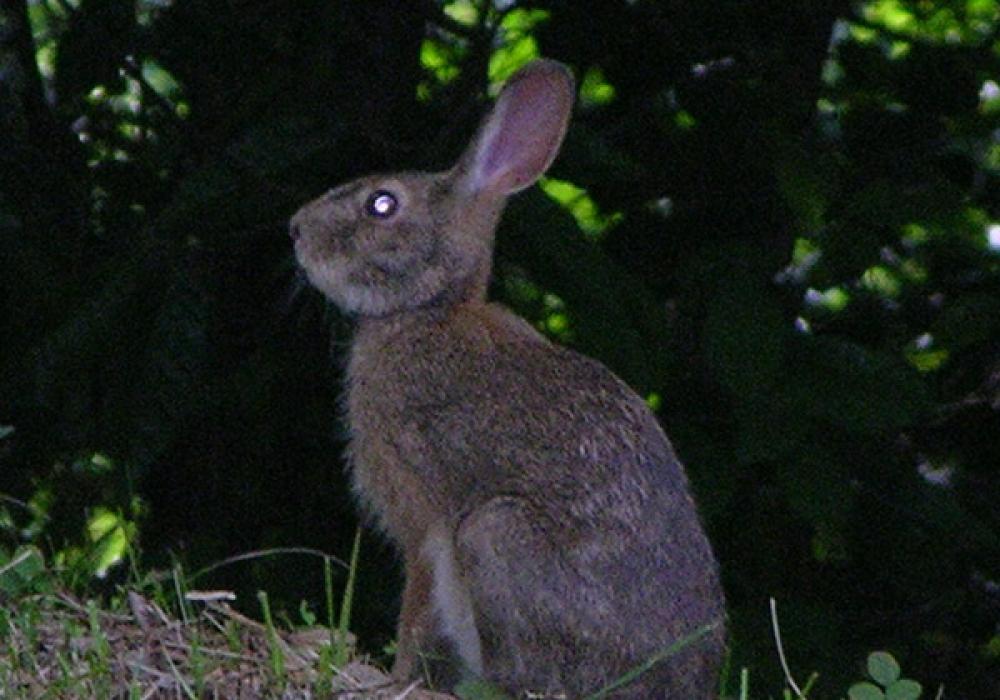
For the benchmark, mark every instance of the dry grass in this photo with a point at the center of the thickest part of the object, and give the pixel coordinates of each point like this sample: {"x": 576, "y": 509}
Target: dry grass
{"x": 54, "y": 645}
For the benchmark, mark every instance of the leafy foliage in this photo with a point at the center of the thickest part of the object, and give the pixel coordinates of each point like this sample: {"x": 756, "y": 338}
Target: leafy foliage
{"x": 884, "y": 671}
{"x": 778, "y": 221}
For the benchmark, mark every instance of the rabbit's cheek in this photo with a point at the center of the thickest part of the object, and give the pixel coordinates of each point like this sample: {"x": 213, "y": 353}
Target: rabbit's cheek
{"x": 397, "y": 261}
{"x": 392, "y": 263}
{"x": 398, "y": 252}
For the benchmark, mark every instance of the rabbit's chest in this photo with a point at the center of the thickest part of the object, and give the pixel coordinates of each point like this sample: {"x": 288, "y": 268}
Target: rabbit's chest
{"x": 386, "y": 452}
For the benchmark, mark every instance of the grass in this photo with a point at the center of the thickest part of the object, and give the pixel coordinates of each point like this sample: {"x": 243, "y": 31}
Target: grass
{"x": 652, "y": 661}
{"x": 154, "y": 641}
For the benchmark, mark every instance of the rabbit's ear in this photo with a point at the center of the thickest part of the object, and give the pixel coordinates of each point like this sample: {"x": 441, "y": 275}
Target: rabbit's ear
{"x": 520, "y": 138}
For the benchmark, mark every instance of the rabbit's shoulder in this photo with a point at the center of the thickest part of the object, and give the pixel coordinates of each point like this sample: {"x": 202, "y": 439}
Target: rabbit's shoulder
{"x": 504, "y": 377}
{"x": 480, "y": 366}
{"x": 485, "y": 355}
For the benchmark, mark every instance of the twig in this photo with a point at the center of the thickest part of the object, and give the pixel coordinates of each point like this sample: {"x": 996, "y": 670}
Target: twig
{"x": 15, "y": 561}
{"x": 409, "y": 689}
{"x": 21, "y": 504}
{"x": 188, "y": 691}
{"x": 781, "y": 651}
{"x": 260, "y": 553}
{"x": 80, "y": 609}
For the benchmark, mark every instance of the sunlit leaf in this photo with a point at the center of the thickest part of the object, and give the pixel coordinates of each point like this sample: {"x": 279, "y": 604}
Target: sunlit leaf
{"x": 927, "y": 360}
{"x": 109, "y": 535}
{"x": 161, "y": 79}
{"x": 463, "y": 11}
{"x": 594, "y": 89}
{"x": 881, "y": 280}
{"x": 685, "y": 120}
{"x": 518, "y": 43}
{"x": 512, "y": 56}
{"x": 891, "y": 13}
{"x": 580, "y": 205}
{"x": 440, "y": 59}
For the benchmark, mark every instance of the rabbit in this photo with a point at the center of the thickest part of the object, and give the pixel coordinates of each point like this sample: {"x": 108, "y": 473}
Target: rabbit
{"x": 549, "y": 538}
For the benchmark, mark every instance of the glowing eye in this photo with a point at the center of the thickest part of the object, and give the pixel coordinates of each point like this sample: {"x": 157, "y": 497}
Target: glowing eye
{"x": 381, "y": 204}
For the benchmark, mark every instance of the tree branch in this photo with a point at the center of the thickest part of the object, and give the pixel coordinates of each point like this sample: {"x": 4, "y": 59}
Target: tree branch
{"x": 42, "y": 160}
{"x": 26, "y": 111}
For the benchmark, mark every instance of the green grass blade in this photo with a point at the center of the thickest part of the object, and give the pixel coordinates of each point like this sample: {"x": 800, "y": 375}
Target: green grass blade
{"x": 656, "y": 658}
{"x": 341, "y": 656}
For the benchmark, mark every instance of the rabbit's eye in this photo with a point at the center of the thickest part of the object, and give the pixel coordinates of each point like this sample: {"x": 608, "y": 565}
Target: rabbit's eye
{"x": 381, "y": 204}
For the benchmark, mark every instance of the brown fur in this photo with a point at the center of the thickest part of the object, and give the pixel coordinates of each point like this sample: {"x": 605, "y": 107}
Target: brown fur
{"x": 549, "y": 538}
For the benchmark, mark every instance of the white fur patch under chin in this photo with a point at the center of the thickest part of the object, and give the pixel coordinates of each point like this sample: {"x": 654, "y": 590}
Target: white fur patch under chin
{"x": 332, "y": 280}
{"x": 451, "y": 599}
{"x": 361, "y": 300}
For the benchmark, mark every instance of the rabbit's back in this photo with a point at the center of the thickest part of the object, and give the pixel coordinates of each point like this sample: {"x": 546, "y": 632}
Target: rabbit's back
{"x": 573, "y": 526}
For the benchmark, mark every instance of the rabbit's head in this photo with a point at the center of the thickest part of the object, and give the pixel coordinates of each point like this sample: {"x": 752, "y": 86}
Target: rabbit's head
{"x": 387, "y": 243}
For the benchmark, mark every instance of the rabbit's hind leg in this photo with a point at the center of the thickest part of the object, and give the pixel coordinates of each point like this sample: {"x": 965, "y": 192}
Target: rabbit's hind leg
{"x": 522, "y": 596}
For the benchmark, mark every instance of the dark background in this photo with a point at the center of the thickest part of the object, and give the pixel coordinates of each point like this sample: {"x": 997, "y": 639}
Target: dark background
{"x": 778, "y": 230}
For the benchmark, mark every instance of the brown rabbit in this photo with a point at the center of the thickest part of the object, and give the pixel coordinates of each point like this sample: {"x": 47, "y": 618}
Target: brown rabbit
{"x": 550, "y": 541}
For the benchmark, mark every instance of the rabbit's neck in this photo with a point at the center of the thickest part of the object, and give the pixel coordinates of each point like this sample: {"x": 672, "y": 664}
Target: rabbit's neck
{"x": 391, "y": 349}
{"x": 393, "y": 331}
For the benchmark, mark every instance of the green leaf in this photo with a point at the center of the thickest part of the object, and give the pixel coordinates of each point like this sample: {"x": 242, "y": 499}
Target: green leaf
{"x": 883, "y": 668}
{"x": 507, "y": 60}
{"x": 479, "y": 690}
{"x": 904, "y": 689}
{"x": 307, "y": 615}
{"x": 865, "y": 691}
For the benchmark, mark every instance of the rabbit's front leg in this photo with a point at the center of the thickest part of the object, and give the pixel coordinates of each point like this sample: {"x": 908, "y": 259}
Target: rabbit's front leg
{"x": 437, "y": 625}
{"x": 416, "y": 618}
